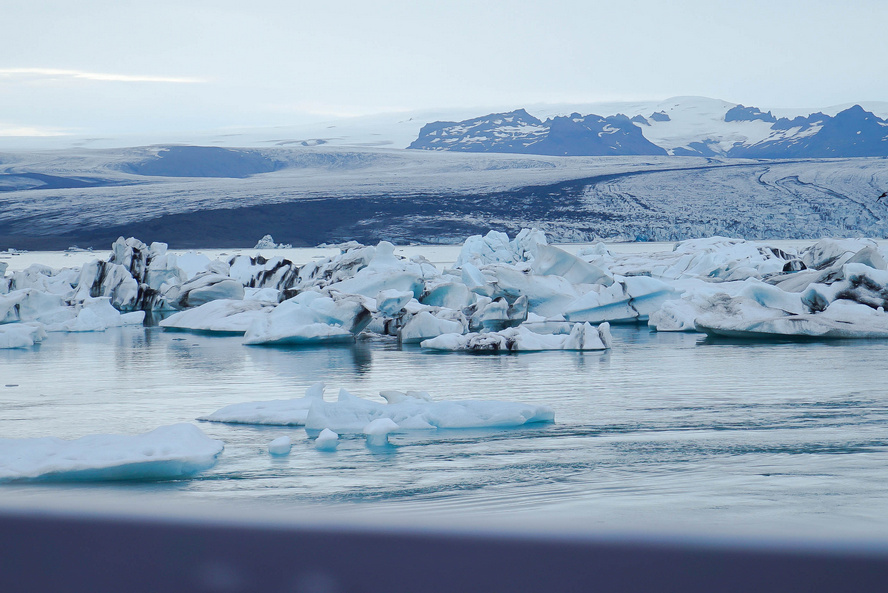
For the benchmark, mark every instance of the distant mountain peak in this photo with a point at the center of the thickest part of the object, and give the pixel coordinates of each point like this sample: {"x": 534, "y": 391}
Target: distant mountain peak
{"x": 742, "y": 113}
{"x": 519, "y": 132}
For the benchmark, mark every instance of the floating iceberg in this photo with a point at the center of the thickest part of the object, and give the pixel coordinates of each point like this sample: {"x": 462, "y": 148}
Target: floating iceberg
{"x": 351, "y": 414}
{"x": 845, "y": 298}
{"x": 203, "y": 288}
{"x": 740, "y": 317}
{"x": 582, "y": 336}
{"x": 310, "y": 318}
{"x": 20, "y": 335}
{"x": 427, "y": 324}
{"x": 410, "y": 410}
{"x": 267, "y": 242}
{"x": 282, "y": 412}
{"x": 496, "y": 247}
{"x": 168, "y": 452}
{"x": 280, "y": 446}
{"x": 378, "y": 430}
{"x": 223, "y": 315}
{"x": 327, "y": 440}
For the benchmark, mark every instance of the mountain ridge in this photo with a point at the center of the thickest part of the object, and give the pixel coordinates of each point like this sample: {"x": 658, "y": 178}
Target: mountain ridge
{"x": 714, "y": 130}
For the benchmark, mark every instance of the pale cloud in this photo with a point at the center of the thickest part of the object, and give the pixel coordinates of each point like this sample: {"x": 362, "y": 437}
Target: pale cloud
{"x": 30, "y": 131}
{"x": 97, "y": 76}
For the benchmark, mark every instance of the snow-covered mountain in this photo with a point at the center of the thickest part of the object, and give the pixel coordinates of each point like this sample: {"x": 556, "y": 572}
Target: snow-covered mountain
{"x": 683, "y": 126}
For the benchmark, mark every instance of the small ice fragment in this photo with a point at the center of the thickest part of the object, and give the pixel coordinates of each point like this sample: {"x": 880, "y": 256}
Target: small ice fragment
{"x": 280, "y": 446}
{"x": 378, "y": 430}
{"x": 327, "y": 440}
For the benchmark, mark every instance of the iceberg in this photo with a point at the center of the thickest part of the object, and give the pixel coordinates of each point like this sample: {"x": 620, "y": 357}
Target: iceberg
{"x": 496, "y": 247}
{"x": 425, "y": 325}
{"x": 280, "y": 446}
{"x": 327, "y": 440}
{"x": 451, "y": 294}
{"x": 411, "y": 410}
{"x": 378, "y": 430}
{"x": 310, "y": 318}
{"x": 392, "y": 302}
{"x": 267, "y": 242}
{"x": 258, "y": 272}
{"x": 385, "y": 272}
{"x": 631, "y": 299}
{"x": 222, "y": 315}
{"x": 203, "y": 288}
{"x": 740, "y": 317}
{"x": 168, "y": 452}
{"x": 95, "y": 315}
{"x": 552, "y": 261}
{"x": 352, "y": 414}
{"x": 30, "y": 304}
{"x": 282, "y": 412}
{"x": 582, "y": 336}
{"x": 21, "y": 335}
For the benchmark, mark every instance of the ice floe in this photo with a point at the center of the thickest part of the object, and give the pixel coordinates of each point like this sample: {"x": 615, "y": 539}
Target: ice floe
{"x": 352, "y": 414}
{"x": 168, "y": 452}
{"x": 378, "y": 431}
{"x": 411, "y": 410}
{"x": 327, "y": 440}
{"x": 283, "y": 412}
{"x": 21, "y": 335}
{"x": 280, "y": 446}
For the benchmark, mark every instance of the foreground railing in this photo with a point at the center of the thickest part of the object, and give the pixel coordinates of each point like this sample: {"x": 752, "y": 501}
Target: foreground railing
{"x": 60, "y": 550}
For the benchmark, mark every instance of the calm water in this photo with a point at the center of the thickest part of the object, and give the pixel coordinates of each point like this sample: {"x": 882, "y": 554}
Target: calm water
{"x": 664, "y": 427}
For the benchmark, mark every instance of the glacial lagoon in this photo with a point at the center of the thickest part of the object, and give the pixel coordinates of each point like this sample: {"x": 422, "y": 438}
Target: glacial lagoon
{"x": 662, "y": 429}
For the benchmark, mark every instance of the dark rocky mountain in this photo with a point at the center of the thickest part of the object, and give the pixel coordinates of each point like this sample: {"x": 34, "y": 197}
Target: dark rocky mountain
{"x": 853, "y": 132}
{"x": 741, "y": 113}
{"x": 520, "y": 132}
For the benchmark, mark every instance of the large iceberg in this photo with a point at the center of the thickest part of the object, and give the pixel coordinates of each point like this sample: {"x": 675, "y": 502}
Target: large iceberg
{"x": 168, "y": 452}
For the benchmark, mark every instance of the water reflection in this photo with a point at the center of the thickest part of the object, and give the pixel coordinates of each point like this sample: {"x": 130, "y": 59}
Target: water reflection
{"x": 311, "y": 364}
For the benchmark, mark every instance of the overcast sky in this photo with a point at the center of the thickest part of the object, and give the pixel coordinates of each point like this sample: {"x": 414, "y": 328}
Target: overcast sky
{"x": 114, "y": 66}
